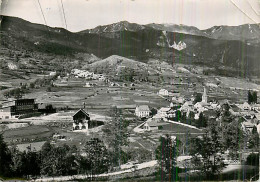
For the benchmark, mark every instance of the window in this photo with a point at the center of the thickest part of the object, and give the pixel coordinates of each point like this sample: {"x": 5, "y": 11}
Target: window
{"x": 6, "y": 117}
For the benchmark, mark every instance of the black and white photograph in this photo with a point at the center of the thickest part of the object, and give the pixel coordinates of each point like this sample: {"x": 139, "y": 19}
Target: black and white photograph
{"x": 129, "y": 90}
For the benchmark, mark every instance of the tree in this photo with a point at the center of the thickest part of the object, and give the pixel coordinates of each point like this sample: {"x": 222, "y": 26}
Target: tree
{"x": 178, "y": 115}
{"x": 166, "y": 155}
{"x": 48, "y": 89}
{"x": 232, "y": 138}
{"x": 5, "y": 158}
{"x": 191, "y": 115}
{"x": 254, "y": 97}
{"x": 207, "y": 153}
{"x": 31, "y": 163}
{"x": 32, "y": 85}
{"x": 198, "y": 98}
{"x": 16, "y": 165}
{"x": 118, "y": 133}
{"x": 153, "y": 111}
{"x": 202, "y": 121}
{"x": 253, "y": 159}
{"x": 58, "y": 160}
{"x": 254, "y": 139}
{"x": 96, "y": 160}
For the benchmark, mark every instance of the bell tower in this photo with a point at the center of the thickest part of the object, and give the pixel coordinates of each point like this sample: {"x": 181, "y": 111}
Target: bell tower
{"x": 204, "y": 96}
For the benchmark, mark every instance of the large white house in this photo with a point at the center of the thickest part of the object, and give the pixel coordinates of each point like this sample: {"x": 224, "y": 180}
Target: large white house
{"x": 142, "y": 111}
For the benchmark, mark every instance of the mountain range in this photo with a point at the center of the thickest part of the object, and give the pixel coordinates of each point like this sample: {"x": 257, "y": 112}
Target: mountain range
{"x": 233, "y": 48}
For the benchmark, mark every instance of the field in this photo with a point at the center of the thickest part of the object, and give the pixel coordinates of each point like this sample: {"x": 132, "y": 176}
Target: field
{"x": 27, "y": 134}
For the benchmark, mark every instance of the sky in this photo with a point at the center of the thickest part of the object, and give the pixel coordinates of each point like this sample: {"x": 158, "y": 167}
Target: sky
{"x": 86, "y": 14}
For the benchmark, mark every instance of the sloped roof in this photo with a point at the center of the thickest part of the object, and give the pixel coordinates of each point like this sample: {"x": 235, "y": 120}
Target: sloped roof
{"x": 143, "y": 108}
{"x": 155, "y": 123}
{"x": 165, "y": 109}
{"x": 81, "y": 110}
{"x": 246, "y": 104}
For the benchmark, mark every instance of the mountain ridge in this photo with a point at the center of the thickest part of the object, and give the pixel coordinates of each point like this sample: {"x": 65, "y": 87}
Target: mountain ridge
{"x": 142, "y": 44}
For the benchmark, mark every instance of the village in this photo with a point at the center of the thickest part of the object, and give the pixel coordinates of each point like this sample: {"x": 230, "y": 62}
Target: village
{"x": 174, "y": 110}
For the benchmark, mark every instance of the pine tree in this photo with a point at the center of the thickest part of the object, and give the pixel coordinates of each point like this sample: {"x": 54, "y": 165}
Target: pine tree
{"x": 254, "y": 97}
{"x": 5, "y": 158}
{"x": 119, "y": 135}
{"x": 166, "y": 155}
{"x": 249, "y": 97}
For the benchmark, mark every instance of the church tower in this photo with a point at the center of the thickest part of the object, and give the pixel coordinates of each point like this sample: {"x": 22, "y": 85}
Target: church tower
{"x": 204, "y": 96}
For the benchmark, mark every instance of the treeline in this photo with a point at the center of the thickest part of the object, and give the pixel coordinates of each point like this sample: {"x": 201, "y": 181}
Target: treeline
{"x": 201, "y": 122}
{"x": 51, "y": 160}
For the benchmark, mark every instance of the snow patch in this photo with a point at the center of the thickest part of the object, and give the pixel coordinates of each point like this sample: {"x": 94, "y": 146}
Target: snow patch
{"x": 180, "y": 46}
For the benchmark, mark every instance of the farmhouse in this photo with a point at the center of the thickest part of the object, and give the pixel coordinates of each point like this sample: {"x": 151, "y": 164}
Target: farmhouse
{"x": 163, "y": 92}
{"x": 15, "y": 108}
{"x": 80, "y": 120}
{"x": 142, "y": 111}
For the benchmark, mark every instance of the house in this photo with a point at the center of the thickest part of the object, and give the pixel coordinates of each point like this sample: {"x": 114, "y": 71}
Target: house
{"x": 163, "y": 111}
{"x": 256, "y": 107}
{"x": 174, "y": 99}
{"x": 163, "y": 92}
{"x": 15, "y": 108}
{"x": 171, "y": 113}
{"x": 180, "y": 100}
{"x": 102, "y": 78}
{"x": 153, "y": 124}
{"x": 201, "y": 106}
{"x": 235, "y": 110}
{"x": 80, "y": 120}
{"x": 245, "y": 106}
{"x": 5, "y": 113}
{"x": 142, "y": 111}
{"x": 53, "y": 73}
{"x": 248, "y": 126}
{"x": 88, "y": 85}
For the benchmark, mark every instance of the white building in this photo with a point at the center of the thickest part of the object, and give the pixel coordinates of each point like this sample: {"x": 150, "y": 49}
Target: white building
{"x": 163, "y": 92}
{"x": 5, "y": 113}
{"x": 142, "y": 111}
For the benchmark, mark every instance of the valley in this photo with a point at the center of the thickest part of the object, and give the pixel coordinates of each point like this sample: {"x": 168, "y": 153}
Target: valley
{"x": 129, "y": 88}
